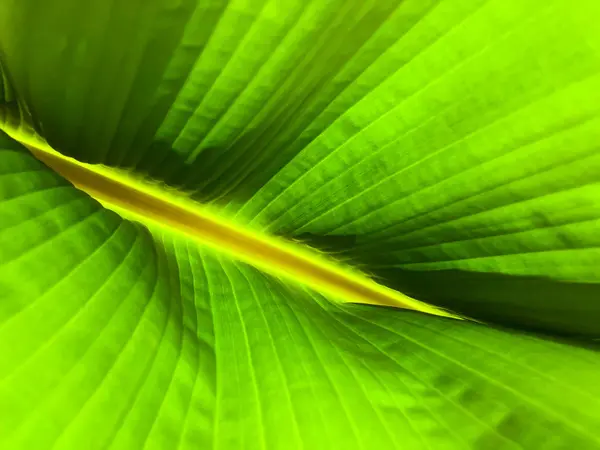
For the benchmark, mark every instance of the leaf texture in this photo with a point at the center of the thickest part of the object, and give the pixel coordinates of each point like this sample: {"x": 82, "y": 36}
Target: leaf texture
{"x": 425, "y": 141}
{"x": 140, "y": 339}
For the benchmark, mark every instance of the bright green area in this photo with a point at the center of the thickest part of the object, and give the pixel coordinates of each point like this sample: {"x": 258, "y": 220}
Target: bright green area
{"x": 449, "y": 148}
{"x": 112, "y": 337}
{"x": 427, "y": 141}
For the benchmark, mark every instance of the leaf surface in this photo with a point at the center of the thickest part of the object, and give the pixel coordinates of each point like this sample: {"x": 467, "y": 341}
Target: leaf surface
{"x": 446, "y": 148}
{"x": 425, "y": 141}
{"x": 136, "y": 339}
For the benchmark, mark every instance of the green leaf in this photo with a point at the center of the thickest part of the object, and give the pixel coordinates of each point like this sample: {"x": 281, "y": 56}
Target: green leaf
{"x": 446, "y": 148}
{"x": 112, "y": 336}
{"x": 429, "y": 141}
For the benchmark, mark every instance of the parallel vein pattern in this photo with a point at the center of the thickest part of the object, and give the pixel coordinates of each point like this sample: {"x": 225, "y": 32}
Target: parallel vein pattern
{"x": 142, "y": 340}
{"x": 426, "y": 141}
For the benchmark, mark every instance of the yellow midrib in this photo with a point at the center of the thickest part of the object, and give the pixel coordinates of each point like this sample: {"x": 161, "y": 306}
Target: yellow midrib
{"x": 272, "y": 255}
